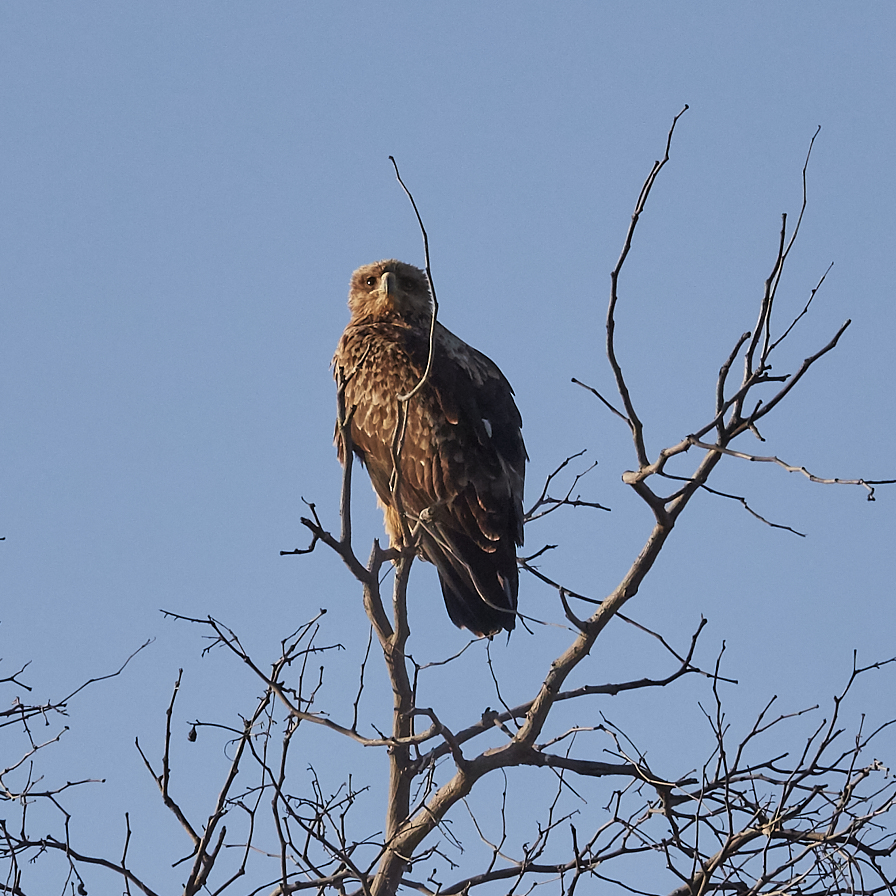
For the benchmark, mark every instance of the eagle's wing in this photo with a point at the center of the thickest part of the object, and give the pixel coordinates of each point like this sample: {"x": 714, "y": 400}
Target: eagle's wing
{"x": 474, "y": 518}
{"x": 462, "y": 464}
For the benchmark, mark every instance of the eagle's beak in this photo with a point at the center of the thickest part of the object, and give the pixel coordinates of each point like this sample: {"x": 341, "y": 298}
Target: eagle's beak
{"x": 388, "y": 283}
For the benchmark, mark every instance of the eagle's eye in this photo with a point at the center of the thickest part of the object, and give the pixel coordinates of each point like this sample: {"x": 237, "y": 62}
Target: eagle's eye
{"x": 371, "y": 281}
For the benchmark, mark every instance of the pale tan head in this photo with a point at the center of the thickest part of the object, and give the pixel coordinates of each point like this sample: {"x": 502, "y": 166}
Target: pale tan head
{"x": 389, "y": 288}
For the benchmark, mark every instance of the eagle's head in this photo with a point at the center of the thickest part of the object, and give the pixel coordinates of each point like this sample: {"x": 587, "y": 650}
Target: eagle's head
{"x": 390, "y": 289}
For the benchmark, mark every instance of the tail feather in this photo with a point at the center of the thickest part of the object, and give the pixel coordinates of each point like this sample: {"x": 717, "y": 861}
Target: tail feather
{"x": 479, "y": 587}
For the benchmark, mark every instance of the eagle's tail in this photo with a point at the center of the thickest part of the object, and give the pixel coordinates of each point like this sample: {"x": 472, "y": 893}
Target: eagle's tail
{"x": 480, "y": 587}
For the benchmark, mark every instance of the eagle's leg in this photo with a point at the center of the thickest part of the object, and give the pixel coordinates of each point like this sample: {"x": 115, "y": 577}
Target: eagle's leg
{"x": 393, "y": 527}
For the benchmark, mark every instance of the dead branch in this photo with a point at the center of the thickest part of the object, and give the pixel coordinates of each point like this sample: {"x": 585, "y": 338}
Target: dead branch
{"x": 630, "y": 415}
{"x": 793, "y": 468}
{"x": 551, "y": 504}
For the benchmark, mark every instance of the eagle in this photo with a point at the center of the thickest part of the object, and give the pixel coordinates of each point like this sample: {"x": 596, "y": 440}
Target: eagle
{"x": 462, "y": 460}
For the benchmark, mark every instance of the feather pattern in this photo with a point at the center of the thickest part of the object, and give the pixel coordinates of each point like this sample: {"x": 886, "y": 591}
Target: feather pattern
{"x": 462, "y": 461}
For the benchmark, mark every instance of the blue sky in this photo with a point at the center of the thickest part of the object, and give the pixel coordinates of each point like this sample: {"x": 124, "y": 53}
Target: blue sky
{"x": 187, "y": 188}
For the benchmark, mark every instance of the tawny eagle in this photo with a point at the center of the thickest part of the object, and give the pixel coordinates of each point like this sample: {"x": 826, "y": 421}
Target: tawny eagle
{"x": 462, "y": 460}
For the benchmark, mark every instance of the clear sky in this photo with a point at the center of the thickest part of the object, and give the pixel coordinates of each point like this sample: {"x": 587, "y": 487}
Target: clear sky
{"x": 186, "y": 189}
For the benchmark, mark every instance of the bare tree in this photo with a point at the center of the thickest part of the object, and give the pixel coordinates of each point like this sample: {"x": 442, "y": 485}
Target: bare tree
{"x": 746, "y": 818}
{"x": 22, "y": 787}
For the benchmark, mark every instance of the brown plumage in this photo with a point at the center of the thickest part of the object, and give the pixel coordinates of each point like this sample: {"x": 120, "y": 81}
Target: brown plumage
{"x": 462, "y": 460}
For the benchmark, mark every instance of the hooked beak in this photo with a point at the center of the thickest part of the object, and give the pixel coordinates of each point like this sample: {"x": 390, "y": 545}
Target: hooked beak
{"x": 389, "y": 283}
